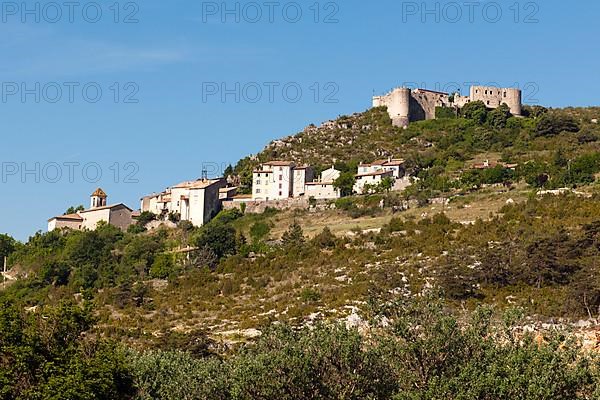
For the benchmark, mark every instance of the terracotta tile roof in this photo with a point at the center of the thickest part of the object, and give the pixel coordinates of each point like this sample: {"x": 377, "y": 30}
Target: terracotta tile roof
{"x": 389, "y": 163}
{"x": 105, "y": 208}
{"x": 376, "y": 173}
{"x": 71, "y": 217}
{"x": 99, "y": 193}
{"x": 197, "y": 184}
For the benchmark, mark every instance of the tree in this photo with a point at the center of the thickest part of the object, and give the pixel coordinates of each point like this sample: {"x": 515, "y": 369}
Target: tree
{"x": 73, "y": 209}
{"x": 476, "y": 111}
{"x": 345, "y": 183}
{"x": 294, "y": 236}
{"x": 386, "y": 184}
{"x": 325, "y": 239}
{"x": 554, "y": 123}
{"x": 162, "y": 266}
{"x": 534, "y": 112}
{"x": 548, "y": 261}
{"x": 145, "y": 218}
{"x": 498, "y": 117}
{"x": 7, "y": 246}
{"x": 49, "y": 356}
{"x": 219, "y": 238}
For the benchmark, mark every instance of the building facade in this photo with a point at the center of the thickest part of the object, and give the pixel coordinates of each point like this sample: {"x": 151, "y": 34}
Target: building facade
{"x": 195, "y": 201}
{"x": 278, "y": 180}
{"x": 323, "y": 188}
{"x": 371, "y": 179}
{"x": 118, "y": 215}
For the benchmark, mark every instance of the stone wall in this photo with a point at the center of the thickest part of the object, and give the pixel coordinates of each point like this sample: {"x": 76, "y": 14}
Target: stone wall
{"x": 405, "y": 105}
{"x": 257, "y": 207}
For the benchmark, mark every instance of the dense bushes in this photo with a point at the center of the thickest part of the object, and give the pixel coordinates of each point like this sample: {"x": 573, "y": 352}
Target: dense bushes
{"x": 44, "y": 355}
{"x": 420, "y": 353}
{"x": 554, "y": 123}
{"x": 415, "y": 350}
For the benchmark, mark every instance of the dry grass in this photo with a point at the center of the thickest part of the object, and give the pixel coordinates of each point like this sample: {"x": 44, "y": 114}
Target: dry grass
{"x": 464, "y": 209}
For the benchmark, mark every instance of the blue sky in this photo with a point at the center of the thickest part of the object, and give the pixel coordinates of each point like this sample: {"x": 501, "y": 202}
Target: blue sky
{"x": 159, "y": 120}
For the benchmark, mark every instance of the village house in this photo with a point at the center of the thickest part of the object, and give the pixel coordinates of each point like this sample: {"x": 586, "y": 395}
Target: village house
{"x": 373, "y": 178}
{"x": 278, "y": 180}
{"x": 195, "y": 201}
{"x": 376, "y": 171}
{"x": 323, "y": 187}
{"x": 118, "y": 215}
{"x": 396, "y": 166}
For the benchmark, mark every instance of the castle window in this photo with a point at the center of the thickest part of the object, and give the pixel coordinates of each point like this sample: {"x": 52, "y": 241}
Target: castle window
{"x": 257, "y": 190}
{"x": 280, "y": 193}
{"x": 488, "y": 102}
{"x": 504, "y": 94}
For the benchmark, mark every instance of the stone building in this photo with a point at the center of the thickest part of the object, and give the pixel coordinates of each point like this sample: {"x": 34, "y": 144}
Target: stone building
{"x": 405, "y": 105}
{"x": 277, "y": 180}
{"x": 323, "y": 188}
{"x": 118, "y": 215}
{"x": 195, "y": 201}
{"x": 370, "y": 178}
{"x": 376, "y": 171}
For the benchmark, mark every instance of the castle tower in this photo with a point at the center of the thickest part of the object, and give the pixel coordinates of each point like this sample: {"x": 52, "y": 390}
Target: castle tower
{"x": 399, "y": 106}
{"x": 98, "y": 199}
{"x": 512, "y": 98}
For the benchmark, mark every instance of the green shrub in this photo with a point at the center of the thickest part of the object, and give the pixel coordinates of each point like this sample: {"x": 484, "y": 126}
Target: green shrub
{"x": 163, "y": 266}
{"x": 445, "y": 113}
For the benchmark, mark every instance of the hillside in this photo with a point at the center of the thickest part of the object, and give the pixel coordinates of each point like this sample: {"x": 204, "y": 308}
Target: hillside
{"x": 438, "y": 149}
{"x": 495, "y": 261}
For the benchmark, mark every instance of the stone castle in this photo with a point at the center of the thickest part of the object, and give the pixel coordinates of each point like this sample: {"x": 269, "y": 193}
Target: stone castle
{"x": 405, "y": 105}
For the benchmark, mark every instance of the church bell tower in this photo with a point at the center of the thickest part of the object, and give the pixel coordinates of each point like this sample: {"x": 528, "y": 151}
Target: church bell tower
{"x": 98, "y": 199}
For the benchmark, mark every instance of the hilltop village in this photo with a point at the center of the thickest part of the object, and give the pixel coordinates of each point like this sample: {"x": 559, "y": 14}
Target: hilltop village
{"x": 283, "y": 184}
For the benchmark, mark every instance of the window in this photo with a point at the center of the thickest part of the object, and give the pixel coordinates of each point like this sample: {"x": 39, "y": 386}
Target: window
{"x": 280, "y": 177}
{"x": 280, "y": 193}
{"x": 258, "y": 181}
{"x": 488, "y": 102}
{"x": 281, "y": 168}
{"x": 280, "y": 186}
{"x": 504, "y": 94}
